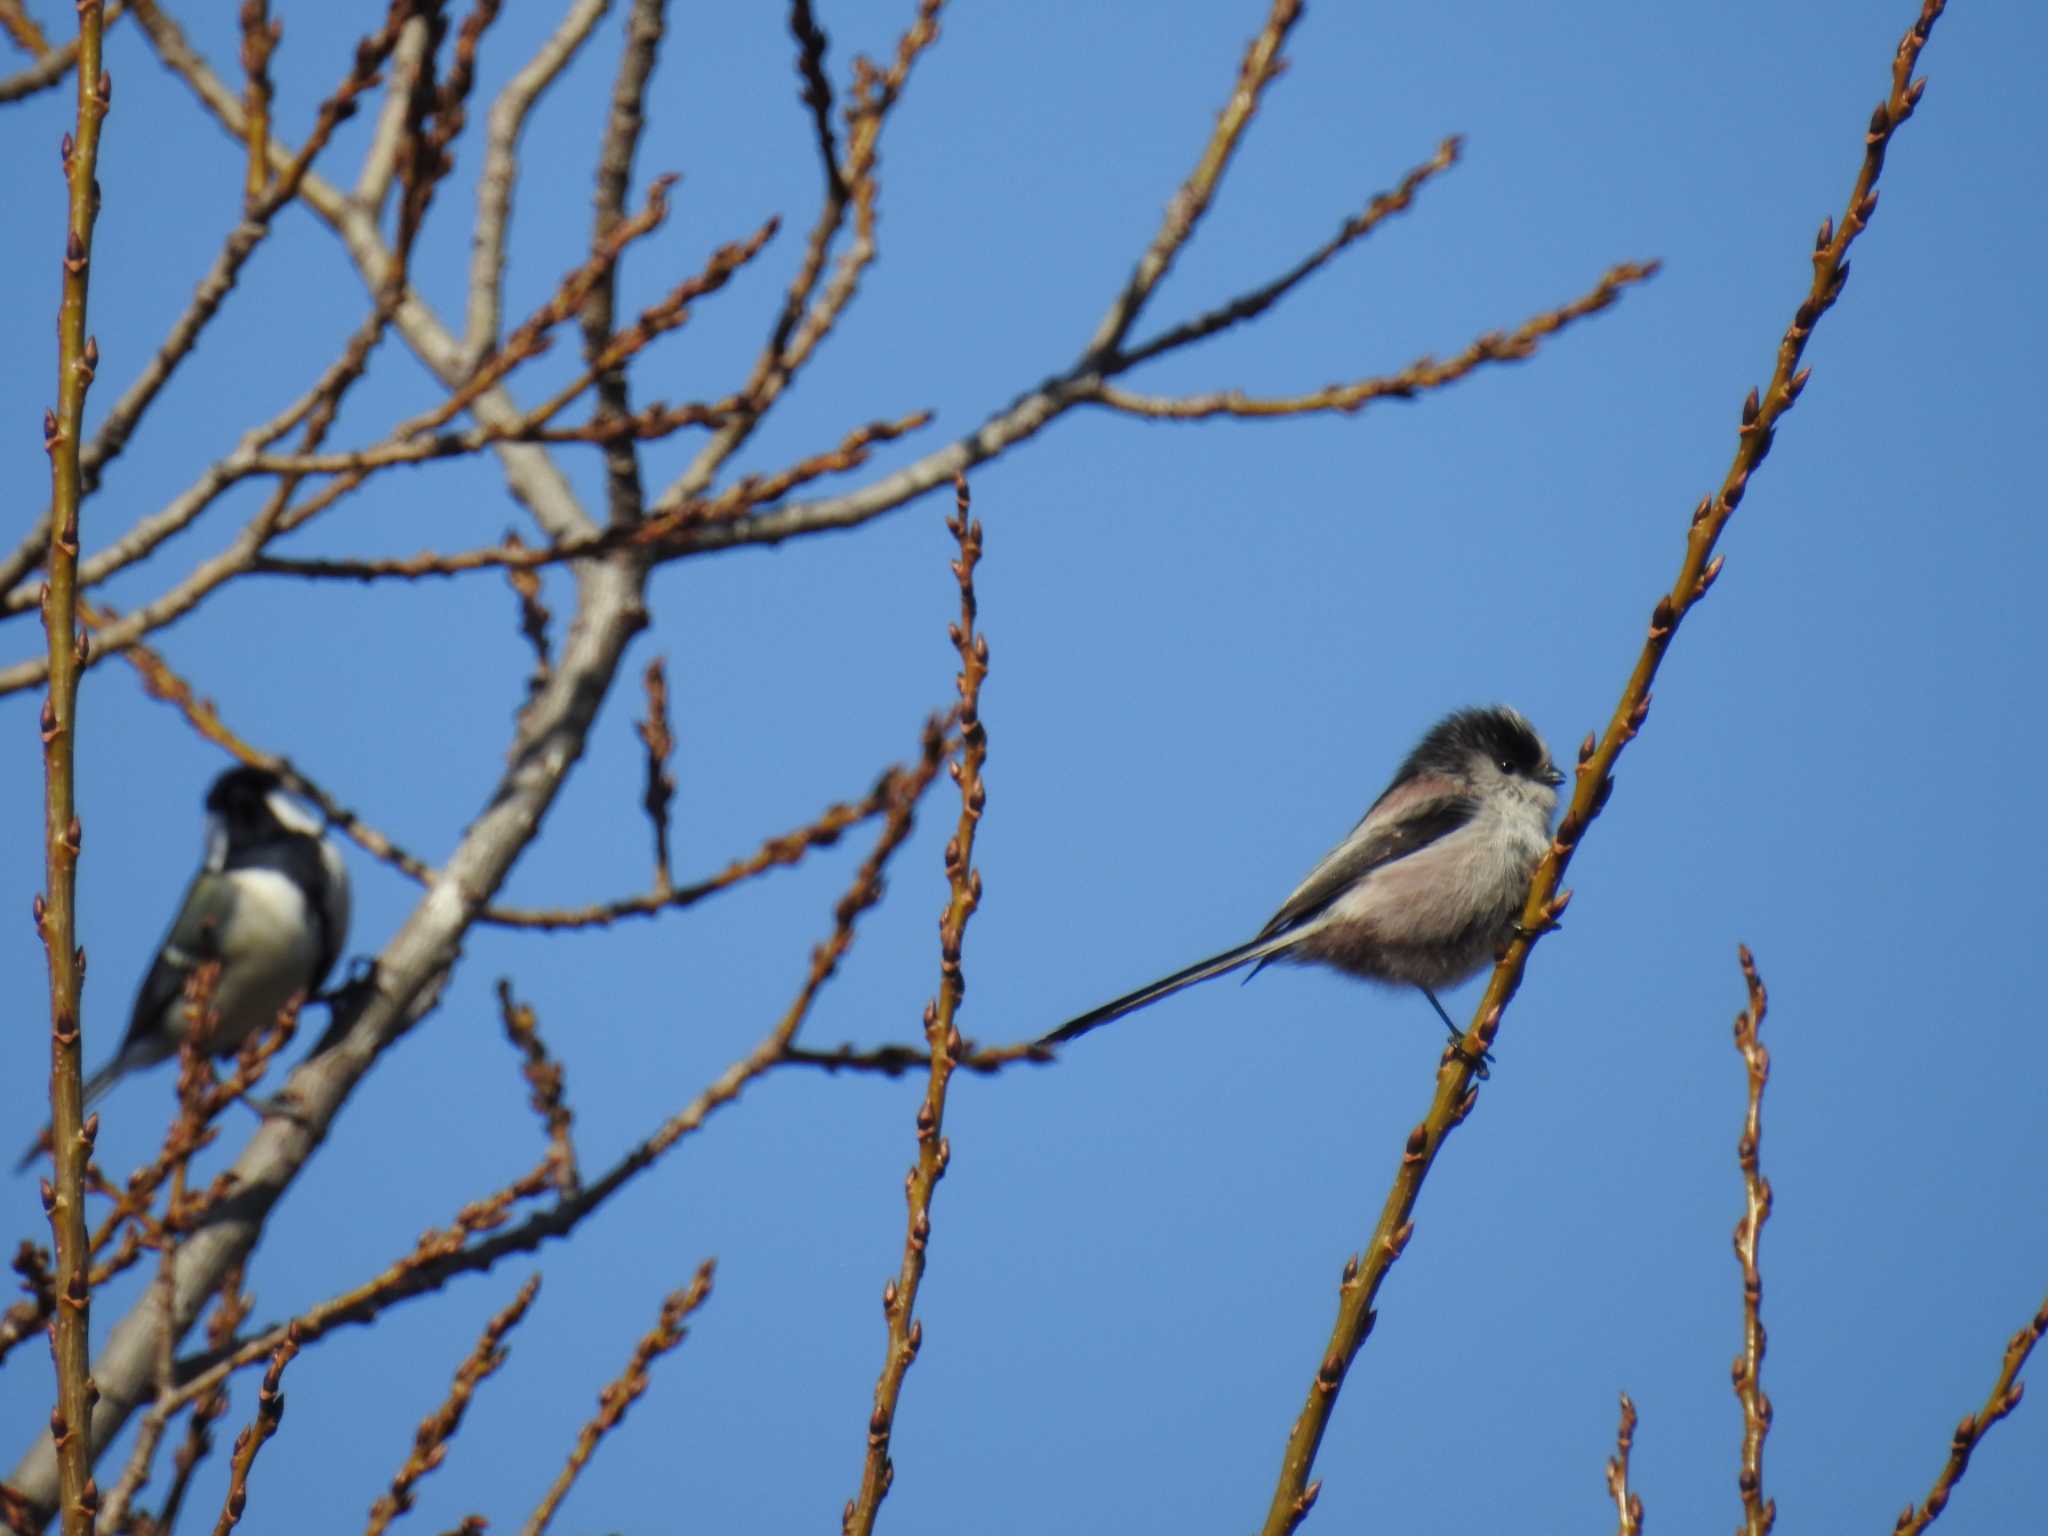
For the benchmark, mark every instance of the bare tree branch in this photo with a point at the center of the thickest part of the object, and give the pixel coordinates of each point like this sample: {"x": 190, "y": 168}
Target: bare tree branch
{"x": 507, "y": 120}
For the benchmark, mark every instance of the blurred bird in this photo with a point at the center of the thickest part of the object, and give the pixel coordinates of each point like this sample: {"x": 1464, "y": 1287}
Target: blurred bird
{"x": 1425, "y": 888}
{"x": 270, "y": 903}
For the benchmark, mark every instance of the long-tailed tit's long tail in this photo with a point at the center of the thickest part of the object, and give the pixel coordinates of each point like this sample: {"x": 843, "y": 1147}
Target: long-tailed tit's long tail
{"x": 1216, "y": 965}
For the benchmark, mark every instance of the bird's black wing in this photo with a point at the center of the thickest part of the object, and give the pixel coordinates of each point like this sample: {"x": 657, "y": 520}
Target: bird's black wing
{"x": 1407, "y": 818}
{"x": 194, "y": 938}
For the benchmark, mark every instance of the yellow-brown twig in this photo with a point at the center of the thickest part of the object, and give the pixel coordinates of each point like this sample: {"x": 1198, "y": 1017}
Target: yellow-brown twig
{"x": 658, "y": 532}
{"x": 1456, "y": 1089}
{"x": 259, "y": 40}
{"x": 1628, "y": 1506}
{"x": 56, "y": 907}
{"x": 660, "y": 742}
{"x": 22, "y": 28}
{"x": 430, "y": 1442}
{"x": 781, "y": 851}
{"x": 1758, "y": 1512}
{"x": 231, "y": 1309}
{"x": 2005, "y": 1396}
{"x": 620, "y": 1395}
{"x": 943, "y": 1040}
{"x": 51, "y": 65}
{"x": 18, "y": 1514}
{"x": 160, "y": 682}
{"x": 269, "y": 1411}
{"x": 202, "y": 1097}
{"x": 544, "y": 1077}
{"x": 895, "y": 1060}
{"x": 1424, "y": 374}
{"x": 533, "y": 621}
{"x": 1262, "y": 65}
{"x": 1257, "y": 301}
{"x": 27, "y": 1317}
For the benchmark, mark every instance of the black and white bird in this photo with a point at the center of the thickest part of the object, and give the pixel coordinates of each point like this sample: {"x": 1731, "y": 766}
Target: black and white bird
{"x": 1427, "y": 885}
{"x": 270, "y": 903}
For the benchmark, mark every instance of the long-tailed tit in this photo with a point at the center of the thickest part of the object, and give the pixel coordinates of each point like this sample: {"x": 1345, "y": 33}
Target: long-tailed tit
{"x": 270, "y": 903}
{"x": 1426, "y": 887}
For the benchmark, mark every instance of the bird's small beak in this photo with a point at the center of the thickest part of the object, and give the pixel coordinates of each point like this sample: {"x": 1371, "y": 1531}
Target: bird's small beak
{"x": 1552, "y": 777}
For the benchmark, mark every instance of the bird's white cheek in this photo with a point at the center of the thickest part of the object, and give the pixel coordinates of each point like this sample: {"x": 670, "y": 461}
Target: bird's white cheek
{"x": 290, "y": 815}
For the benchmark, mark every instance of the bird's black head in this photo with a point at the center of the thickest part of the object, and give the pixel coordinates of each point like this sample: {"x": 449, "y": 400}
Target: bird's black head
{"x": 1500, "y": 738}
{"x": 247, "y": 806}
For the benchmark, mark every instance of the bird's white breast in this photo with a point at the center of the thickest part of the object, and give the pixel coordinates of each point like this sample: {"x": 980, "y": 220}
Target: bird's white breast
{"x": 268, "y": 947}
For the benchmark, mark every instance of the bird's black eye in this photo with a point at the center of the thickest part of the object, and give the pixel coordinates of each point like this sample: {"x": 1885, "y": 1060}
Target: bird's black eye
{"x": 1506, "y": 766}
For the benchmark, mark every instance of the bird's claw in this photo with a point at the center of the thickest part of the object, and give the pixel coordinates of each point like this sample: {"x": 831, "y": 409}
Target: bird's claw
{"x": 1481, "y": 1064}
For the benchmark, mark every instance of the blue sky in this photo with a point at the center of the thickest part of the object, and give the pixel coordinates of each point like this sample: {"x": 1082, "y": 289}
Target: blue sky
{"x": 1211, "y": 644}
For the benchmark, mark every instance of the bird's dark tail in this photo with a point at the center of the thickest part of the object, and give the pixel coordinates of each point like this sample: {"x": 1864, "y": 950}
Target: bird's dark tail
{"x": 1216, "y": 965}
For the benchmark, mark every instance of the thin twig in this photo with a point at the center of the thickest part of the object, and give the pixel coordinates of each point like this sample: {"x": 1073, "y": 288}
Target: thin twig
{"x": 56, "y": 906}
{"x": 620, "y": 1395}
{"x": 664, "y": 534}
{"x": 1248, "y": 306}
{"x": 660, "y": 789}
{"x": 895, "y": 1060}
{"x": 184, "y": 1137}
{"x": 1420, "y": 376}
{"x": 942, "y": 1035}
{"x": 269, "y": 1411}
{"x": 150, "y": 531}
{"x": 430, "y": 1441}
{"x": 28, "y": 1317}
{"x": 1759, "y": 1514}
{"x": 506, "y": 120}
{"x": 779, "y": 852}
{"x": 1628, "y": 1505}
{"x": 53, "y": 66}
{"x": 260, "y": 37}
{"x": 1262, "y": 65}
{"x": 625, "y": 497}
{"x": 817, "y": 92}
{"x": 654, "y": 421}
{"x": 533, "y": 620}
{"x": 544, "y": 1077}
{"x": 22, "y": 28}
{"x": 160, "y": 682}
{"x": 229, "y": 1313}
{"x": 1456, "y": 1089}
{"x": 2005, "y": 1396}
